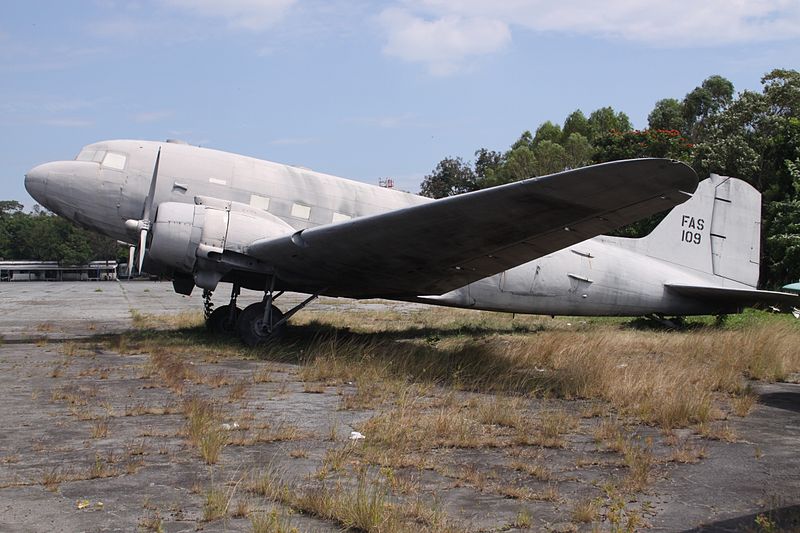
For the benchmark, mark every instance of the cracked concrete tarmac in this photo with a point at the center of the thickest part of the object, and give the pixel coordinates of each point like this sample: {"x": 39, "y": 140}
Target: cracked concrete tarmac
{"x": 91, "y": 442}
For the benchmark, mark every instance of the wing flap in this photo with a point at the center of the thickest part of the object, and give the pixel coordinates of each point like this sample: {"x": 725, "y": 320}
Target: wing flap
{"x": 445, "y": 244}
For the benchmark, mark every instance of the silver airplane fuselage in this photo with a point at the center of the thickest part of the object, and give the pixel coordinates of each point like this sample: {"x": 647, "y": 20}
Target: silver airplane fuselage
{"x": 108, "y": 182}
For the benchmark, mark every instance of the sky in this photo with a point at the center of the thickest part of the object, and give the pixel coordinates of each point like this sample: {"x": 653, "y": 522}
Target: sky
{"x": 366, "y": 90}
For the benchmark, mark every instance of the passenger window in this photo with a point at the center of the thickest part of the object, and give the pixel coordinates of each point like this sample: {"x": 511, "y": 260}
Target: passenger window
{"x": 301, "y": 211}
{"x": 115, "y": 161}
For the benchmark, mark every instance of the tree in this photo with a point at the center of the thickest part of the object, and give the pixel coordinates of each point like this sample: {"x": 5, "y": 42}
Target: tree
{"x": 526, "y": 140}
{"x": 452, "y": 176}
{"x": 576, "y": 122}
{"x": 549, "y": 158}
{"x": 42, "y": 236}
{"x": 486, "y": 164}
{"x": 520, "y": 165}
{"x": 578, "y": 151}
{"x": 713, "y": 95}
{"x": 547, "y": 132}
{"x": 604, "y": 120}
{"x": 9, "y": 208}
{"x": 667, "y": 115}
{"x": 618, "y": 145}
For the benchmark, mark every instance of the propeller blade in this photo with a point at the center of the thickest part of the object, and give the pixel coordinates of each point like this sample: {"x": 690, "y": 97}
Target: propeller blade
{"x": 148, "y": 202}
{"x": 131, "y": 251}
{"x": 142, "y": 242}
{"x": 148, "y": 207}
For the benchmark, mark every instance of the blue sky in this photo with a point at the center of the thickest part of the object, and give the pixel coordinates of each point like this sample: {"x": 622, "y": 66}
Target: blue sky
{"x": 364, "y": 90}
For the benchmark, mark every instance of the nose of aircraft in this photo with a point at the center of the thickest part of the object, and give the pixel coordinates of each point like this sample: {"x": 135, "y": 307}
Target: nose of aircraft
{"x": 35, "y": 181}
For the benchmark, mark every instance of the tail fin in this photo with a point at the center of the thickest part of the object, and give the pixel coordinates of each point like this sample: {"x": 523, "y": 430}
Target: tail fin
{"x": 717, "y": 231}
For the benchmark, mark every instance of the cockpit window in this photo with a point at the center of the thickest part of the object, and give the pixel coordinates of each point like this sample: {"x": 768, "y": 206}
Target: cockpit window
{"x": 114, "y": 160}
{"x": 91, "y": 155}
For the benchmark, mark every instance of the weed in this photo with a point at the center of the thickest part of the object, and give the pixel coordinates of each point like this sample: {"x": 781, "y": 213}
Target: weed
{"x": 743, "y": 403}
{"x": 584, "y": 511}
{"x": 263, "y": 375}
{"x": 204, "y": 429}
{"x": 271, "y": 522}
{"x": 535, "y": 470}
{"x": 55, "y": 476}
{"x": 238, "y": 390}
{"x": 523, "y": 519}
{"x": 687, "y": 452}
{"x": 216, "y": 504}
{"x": 640, "y": 461}
{"x": 100, "y": 429}
{"x": 152, "y": 522}
{"x": 721, "y": 432}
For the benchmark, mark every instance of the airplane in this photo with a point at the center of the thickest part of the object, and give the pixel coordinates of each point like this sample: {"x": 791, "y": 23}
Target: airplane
{"x": 203, "y": 216}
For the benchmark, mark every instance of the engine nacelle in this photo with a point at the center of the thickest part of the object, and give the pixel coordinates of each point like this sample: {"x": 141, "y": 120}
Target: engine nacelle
{"x": 192, "y": 238}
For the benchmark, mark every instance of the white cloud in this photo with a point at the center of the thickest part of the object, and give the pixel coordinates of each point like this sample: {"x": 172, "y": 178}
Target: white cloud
{"x": 247, "y": 14}
{"x": 444, "y": 44}
{"x": 151, "y": 116}
{"x": 387, "y": 121}
{"x": 68, "y": 122}
{"x": 445, "y": 34}
{"x": 292, "y": 141}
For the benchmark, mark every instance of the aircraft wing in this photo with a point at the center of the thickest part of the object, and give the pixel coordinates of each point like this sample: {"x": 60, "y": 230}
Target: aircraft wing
{"x": 445, "y": 244}
{"x": 727, "y": 295}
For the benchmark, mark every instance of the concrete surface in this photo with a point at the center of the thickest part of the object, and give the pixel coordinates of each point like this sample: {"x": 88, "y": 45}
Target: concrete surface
{"x": 55, "y": 393}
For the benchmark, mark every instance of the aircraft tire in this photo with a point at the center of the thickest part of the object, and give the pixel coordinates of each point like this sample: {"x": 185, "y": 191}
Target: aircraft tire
{"x": 219, "y": 322}
{"x": 250, "y": 325}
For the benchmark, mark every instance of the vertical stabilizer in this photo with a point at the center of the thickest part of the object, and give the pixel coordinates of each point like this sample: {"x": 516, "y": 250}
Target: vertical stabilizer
{"x": 717, "y": 231}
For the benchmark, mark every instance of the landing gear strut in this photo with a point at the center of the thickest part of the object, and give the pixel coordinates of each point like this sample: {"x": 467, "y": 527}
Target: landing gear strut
{"x": 262, "y": 323}
{"x": 223, "y": 319}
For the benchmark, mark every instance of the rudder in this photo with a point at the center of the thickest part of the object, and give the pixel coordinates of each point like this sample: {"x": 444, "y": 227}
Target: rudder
{"x": 717, "y": 231}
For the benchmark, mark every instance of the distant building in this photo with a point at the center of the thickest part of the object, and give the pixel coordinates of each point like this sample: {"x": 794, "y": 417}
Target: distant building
{"x": 52, "y": 271}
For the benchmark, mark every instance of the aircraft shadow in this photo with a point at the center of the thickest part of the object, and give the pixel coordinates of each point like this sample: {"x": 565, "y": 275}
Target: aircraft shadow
{"x": 789, "y": 401}
{"x": 779, "y": 519}
{"x": 431, "y": 334}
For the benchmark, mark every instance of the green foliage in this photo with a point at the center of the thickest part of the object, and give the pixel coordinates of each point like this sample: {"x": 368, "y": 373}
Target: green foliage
{"x": 576, "y": 122}
{"x": 715, "y": 94}
{"x": 579, "y": 151}
{"x": 547, "y": 132}
{"x": 605, "y": 120}
{"x": 754, "y": 136}
{"x": 549, "y": 158}
{"x": 617, "y": 145}
{"x": 42, "y": 236}
{"x": 451, "y": 176}
{"x": 667, "y": 115}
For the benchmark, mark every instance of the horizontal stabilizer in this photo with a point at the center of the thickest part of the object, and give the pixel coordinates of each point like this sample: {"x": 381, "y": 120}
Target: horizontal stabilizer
{"x": 744, "y": 297}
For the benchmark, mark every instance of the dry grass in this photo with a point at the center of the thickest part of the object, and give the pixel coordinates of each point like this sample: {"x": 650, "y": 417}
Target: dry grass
{"x": 183, "y": 320}
{"x": 100, "y": 429}
{"x": 204, "y": 428}
{"x": 364, "y": 507}
{"x": 263, "y": 375}
{"x": 719, "y": 431}
{"x": 272, "y": 522}
{"x": 743, "y": 403}
{"x": 535, "y": 470}
{"x": 239, "y": 390}
{"x": 585, "y": 511}
{"x": 687, "y": 452}
{"x": 216, "y": 504}
{"x": 640, "y": 462}
{"x": 668, "y": 379}
{"x": 172, "y": 369}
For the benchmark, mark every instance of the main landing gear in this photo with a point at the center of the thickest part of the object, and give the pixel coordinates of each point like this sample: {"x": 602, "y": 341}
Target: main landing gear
{"x": 259, "y": 323}
{"x": 222, "y": 320}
